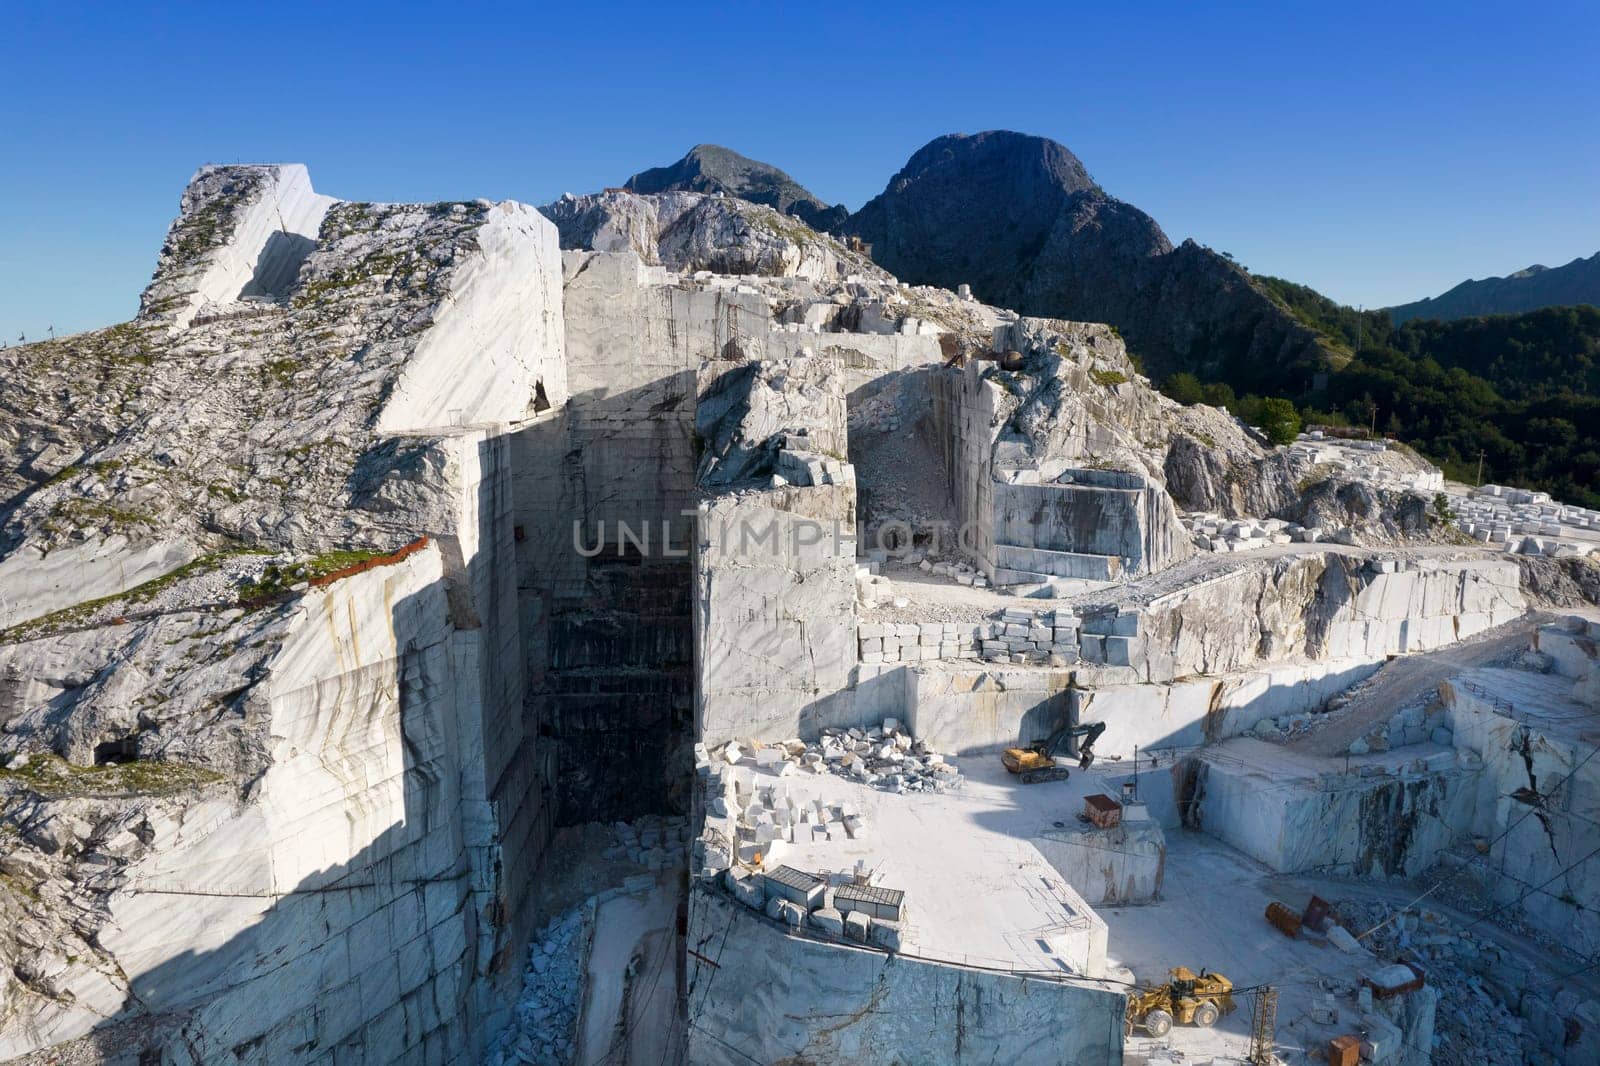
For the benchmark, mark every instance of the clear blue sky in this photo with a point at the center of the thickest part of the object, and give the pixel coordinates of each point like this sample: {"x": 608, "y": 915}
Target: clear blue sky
{"x": 1379, "y": 153}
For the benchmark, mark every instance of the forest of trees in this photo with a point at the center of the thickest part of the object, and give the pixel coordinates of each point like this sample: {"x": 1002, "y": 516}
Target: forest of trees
{"x": 1521, "y": 391}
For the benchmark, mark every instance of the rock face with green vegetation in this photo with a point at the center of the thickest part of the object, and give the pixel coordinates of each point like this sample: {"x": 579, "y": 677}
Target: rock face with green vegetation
{"x": 257, "y": 615}
{"x": 710, "y": 168}
{"x": 1518, "y": 390}
{"x": 1019, "y": 219}
{"x": 1526, "y": 290}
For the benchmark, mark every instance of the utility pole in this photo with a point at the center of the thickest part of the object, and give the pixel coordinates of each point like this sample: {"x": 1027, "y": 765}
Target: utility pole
{"x": 1480, "y": 466}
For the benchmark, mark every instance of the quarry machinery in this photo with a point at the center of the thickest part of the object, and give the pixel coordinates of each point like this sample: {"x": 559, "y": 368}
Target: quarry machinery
{"x": 1189, "y": 998}
{"x": 957, "y": 352}
{"x": 1037, "y": 761}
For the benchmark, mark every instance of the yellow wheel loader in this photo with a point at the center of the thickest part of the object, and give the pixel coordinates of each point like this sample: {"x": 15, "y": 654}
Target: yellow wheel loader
{"x": 1189, "y": 998}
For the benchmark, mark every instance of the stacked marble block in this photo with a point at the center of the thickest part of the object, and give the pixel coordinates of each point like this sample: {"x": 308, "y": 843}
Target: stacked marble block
{"x": 1353, "y": 458}
{"x": 1522, "y": 521}
{"x": 1215, "y": 533}
{"x": 798, "y": 466}
{"x": 1022, "y": 636}
{"x": 910, "y": 642}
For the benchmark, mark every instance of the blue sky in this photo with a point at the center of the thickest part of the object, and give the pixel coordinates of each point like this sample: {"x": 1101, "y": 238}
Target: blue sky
{"x": 1379, "y": 153}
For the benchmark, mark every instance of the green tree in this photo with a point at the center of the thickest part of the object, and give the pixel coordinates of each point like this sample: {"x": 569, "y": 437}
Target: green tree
{"x": 1218, "y": 394}
{"x": 1279, "y": 420}
{"x": 1185, "y": 388}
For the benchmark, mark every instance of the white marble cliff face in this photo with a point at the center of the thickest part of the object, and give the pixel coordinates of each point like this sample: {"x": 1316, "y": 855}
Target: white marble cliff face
{"x": 296, "y": 856}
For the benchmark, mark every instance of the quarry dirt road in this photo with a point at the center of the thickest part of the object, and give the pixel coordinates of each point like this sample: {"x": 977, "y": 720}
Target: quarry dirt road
{"x": 1402, "y": 680}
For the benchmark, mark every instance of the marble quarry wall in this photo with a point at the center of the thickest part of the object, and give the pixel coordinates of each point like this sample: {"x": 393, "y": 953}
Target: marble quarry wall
{"x": 964, "y": 415}
{"x": 1201, "y": 665}
{"x": 967, "y": 711}
{"x": 340, "y": 909}
{"x": 800, "y": 1000}
{"x": 1538, "y": 799}
{"x": 775, "y": 613}
{"x": 606, "y": 503}
{"x": 1378, "y": 820}
{"x": 1187, "y": 714}
{"x": 351, "y": 867}
{"x": 1110, "y": 867}
{"x": 1104, "y": 514}
{"x": 1083, "y": 522}
{"x": 1327, "y": 606}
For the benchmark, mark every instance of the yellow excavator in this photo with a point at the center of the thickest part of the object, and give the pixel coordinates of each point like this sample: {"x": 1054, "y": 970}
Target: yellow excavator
{"x": 1037, "y": 761}
{"x": 1188, "y": 998}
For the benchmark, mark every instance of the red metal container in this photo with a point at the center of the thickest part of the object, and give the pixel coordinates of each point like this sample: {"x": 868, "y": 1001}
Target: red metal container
{"x": 1103, "y": 811}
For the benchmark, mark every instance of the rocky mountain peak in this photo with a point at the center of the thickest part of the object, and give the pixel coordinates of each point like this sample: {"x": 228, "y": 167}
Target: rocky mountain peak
{"x": 711, "y": 168}
{"x": 1019, "y": 219}
{"x": 998, "y": 158}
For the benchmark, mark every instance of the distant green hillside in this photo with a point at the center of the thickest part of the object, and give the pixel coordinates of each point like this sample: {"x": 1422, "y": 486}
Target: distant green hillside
{"x": 1523, "y": 390}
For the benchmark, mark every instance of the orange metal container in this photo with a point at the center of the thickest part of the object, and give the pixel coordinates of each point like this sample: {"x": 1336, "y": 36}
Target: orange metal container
{"x": 1344, "y": 1051}
{"x": 1283, "y": 919}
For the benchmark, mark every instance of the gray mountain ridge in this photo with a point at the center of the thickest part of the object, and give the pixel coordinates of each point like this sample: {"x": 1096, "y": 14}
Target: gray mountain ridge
{"x": 1528, "y": 289}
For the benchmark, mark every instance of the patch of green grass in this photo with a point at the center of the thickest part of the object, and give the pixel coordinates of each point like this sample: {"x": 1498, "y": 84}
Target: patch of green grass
{"x": 283, "y": 370}
{"x": 18, "y": 887}
{"x": 53, "y": 776}
{"x": 277, "y": 580}
{"x": 1107, "y": 378}
{"x": 79, "y": 613}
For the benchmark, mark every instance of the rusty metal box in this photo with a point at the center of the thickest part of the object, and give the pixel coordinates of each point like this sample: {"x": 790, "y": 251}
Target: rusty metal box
{"x": 1103, "y": 811}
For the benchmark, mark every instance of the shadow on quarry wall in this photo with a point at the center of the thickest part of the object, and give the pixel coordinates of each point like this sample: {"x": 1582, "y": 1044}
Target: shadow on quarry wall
{"x": 363, "y": 960}
{"x": 901, "y": 471}
{"x": 610, "y": 675}
{"x": 278, "y": 265}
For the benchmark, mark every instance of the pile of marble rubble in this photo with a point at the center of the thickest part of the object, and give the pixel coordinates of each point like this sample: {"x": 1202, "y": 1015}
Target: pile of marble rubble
{"x": 544, "y": 1022}
{"x": 887, "y": 758}
{"x": 654, "y": 842}
{"x": 1492, "y": 1008}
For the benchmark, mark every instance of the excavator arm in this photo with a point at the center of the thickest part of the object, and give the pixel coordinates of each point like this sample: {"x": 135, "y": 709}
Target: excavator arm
{"x": 1089, "y": 732}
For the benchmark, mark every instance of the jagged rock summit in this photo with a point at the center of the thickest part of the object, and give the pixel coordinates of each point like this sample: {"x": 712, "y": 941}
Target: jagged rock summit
{"x": 1019, "y": 219}
{"x": 711, "y": 168}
